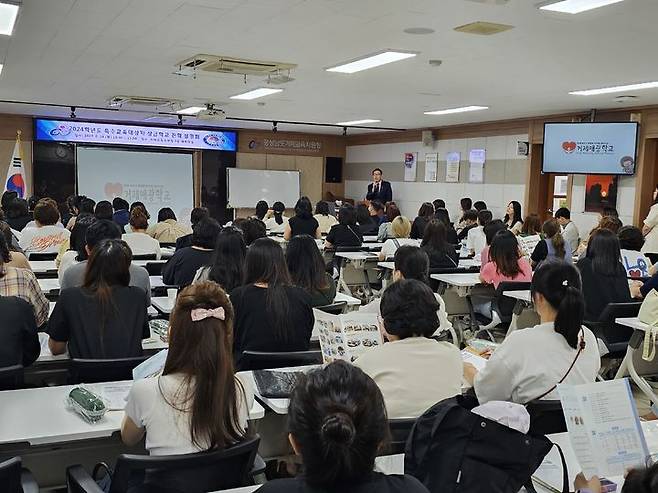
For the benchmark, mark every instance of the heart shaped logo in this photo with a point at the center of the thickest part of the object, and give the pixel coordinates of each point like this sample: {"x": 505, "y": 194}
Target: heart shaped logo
{"x": 569, "y": 146}
{"x": 113, "y": 190}
{"x": 634, "y": 273}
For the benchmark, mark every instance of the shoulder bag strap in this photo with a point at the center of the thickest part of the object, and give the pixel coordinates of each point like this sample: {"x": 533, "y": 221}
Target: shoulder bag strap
{"x": 530, "y": 487}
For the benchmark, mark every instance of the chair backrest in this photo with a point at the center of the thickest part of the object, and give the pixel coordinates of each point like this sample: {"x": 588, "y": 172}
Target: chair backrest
{"x": 168, "y": 245}
{"x": 336, "y": 308}
{"x": 146, "y": 256}
{"x": 400, "y": 430}
{"x": 11, "y": 377}
{"x": 258, "y": 360}
{"x": 154, "y": 268}
{"x": 42, "y": 256}
{"x": 189, "y": 473}
{"x": 546, "y": 417}
{"x": 610, "y": 332}
{"x": 102, "y": 370}
{"x": 504, "y": 305}
{"x": 10, "y": 475}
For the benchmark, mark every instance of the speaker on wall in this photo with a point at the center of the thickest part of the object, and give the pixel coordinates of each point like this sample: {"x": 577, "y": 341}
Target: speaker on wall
{"x": 333, "y": 170}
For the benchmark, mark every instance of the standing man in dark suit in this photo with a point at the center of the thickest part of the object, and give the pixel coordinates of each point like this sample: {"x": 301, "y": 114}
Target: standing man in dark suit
{"x": 379, "y": 189}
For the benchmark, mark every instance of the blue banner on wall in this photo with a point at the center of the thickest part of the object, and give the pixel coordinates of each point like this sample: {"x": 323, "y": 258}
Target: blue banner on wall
{"x": 134, "y": 135}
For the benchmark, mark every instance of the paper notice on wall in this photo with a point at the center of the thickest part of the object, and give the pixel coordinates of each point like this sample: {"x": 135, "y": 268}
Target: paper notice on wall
{"x": 410, "y": 162}
{"x": 431, "y": 165}
{"x": 476, "y": 173}
{"x": 477, "y": 156}
{"x": 603, "y": 426}
{"x": 452, "y": 167}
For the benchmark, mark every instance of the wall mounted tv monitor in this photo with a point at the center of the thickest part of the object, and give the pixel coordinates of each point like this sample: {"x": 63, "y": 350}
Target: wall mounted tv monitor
{"x": 590, "y": 148}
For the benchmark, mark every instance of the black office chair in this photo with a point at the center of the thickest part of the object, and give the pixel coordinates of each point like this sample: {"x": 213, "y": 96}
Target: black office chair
{"x": 150, "y": 256}
{"x": 258, "y": 360}
{"x": 546, "y": 417}
{"x": 190, "y": 473}
{"x": 102, "y": 370}
{"x": 16, "y": 479}
{"x": 400, "y": 429}
{"x": 504, "y": 305}
{"x": 154, "y": 268}
{"x": 11, "y": 377}
{"x": 615, "y": 337}
{"x": 42, "y": 256}
{"x": 336, "y": 308}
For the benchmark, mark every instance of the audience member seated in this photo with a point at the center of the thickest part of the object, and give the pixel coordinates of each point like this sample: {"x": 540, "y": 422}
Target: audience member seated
{"x": 438, "y": 204}
{"x": 530, "y": 363}
{"x": 531, "y": 226}
{"x": 384, "y": 231}
{"x": 425, "y": 371}
{"x": 196, "y": 215}
{"x": 168, "y": 229}
{"x": 278, "y": 222}
{"x": 72, "y": 210}
{"x": 77, "y": 244}
{"x": 634, "y": 261}
{"x": 121, "y": 216}
{"x": 252, "y": 229}
{"x": 227, "y": 265}
{"x": 490, "y": 231}
{"x": 22, "y": 283}
{"x": 46, "y": 236}
{"x": 603, "y": 276}
{"x": 465, "y": 204}
{"x": 480, "y": 205}
{"x": 104, "y": 210}
{"x": 401, "y": 228}
{"x": 468, "y": 222}
{"x": 32, "y": 203}
{"x": 513, "y": 217}
{"x": 475, "y": 239}
{"x": 569, "y": 229}
{"x": 337, "y": 423}
{"x": 303, "y": 222}
{"x": 368, "y": 225}
{"x": 377, "y": 213}
{"x": 19, "y": 340}
{"x": 442, "y": 254}
{"x": 134, "y": 206}
{"x": 271, "y": 314}
{"x": 262, "y": 210}
{"x": 425, "y": 215}
{"x": 346, "y": 233}
{"x": 138, "y": 240}
{"x": 15, "y": 257}
{"x": 552, "y": 246}
{"x": 74, "y": 276}
{"x": 611, "y": 223}
{"x": 451, "y": 235}
{"x": 17, "y": 215}
{"x": 198, "y": 403}
{"x": 322, "y": 216}
{"x": 106, "y": 318}
{"x": 307, "y": 270}
{"x": 181, "y": 268}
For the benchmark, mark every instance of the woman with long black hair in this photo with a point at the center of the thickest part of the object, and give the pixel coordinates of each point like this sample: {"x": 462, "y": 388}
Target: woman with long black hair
{"x": 227, "y": 266}
{"x": 307, "y": 270}
{"x": 303, "y": 222}
{"x": 513, "y": 217}
{"x": 271, "y": 314}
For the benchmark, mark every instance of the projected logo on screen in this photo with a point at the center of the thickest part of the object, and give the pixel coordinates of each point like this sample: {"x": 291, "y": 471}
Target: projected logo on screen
{"x": 571, "y": 147}
{"x": 113, "y": 190}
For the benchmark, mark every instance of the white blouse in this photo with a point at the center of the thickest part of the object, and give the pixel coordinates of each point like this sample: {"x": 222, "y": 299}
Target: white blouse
{"x": 651, "y": 240}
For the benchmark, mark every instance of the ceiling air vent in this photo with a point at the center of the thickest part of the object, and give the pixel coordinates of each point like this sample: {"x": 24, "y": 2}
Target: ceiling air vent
{"x": 483, "y": 28}
{"x": 229, "y": 65}
{"x": 142, "y": 101}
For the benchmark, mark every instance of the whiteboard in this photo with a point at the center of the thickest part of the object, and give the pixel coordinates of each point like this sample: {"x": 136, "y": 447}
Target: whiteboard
{"x": 159, "y": 179}
{"x": 247, "y": 186}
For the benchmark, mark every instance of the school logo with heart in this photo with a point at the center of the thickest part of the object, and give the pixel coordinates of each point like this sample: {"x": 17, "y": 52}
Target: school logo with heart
{"x": 569, "y": 146}
{"x": 113, "y": 190}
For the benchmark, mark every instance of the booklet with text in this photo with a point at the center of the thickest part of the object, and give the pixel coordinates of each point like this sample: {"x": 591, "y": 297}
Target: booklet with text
{"x": 347, "y": 335}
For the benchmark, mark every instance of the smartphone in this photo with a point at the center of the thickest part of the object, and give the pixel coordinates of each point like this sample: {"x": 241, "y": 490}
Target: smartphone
{"x": 608, "y": 486}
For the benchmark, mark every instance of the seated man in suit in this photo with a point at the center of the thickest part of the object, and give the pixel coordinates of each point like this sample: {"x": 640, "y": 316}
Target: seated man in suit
{"x": 379, "y": 189}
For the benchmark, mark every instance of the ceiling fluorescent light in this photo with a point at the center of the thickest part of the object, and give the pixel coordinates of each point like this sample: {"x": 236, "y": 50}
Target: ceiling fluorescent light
{"x": 256, "y": 93}
{"x": 192, "y": 110}
{"x": 358, "y": 122}
{"x": 463, "y": 109}
{"x": 610, "y": 90}
{"x": 576, "y": 6}
{"x": 8, "y": 15}
{"x": 372, "y": 61}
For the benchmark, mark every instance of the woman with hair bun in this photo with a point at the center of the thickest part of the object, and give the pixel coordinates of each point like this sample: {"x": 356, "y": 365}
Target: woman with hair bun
{"x": 337, "y": 422}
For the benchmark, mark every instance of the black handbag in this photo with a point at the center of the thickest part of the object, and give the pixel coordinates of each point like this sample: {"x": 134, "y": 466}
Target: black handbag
{"x": 452, "y": 450}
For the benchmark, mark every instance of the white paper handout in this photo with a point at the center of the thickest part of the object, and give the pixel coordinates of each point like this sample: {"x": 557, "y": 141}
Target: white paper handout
{"x": 152, "y": 367}
{"x": 477, "y": 361}
{"x": 344, "y": 337}
{"x": 528, "y": 243}
{"x": 115, "y": 394}
{"x": 604, "y": 428}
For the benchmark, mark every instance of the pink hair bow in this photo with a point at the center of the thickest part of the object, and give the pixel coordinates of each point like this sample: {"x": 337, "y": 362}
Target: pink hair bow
{"x": 202, "y": 313}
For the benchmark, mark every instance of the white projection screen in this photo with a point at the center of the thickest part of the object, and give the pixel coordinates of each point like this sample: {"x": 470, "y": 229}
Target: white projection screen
{"x": 248, "y": 186}
{"x": 159, "y": 179}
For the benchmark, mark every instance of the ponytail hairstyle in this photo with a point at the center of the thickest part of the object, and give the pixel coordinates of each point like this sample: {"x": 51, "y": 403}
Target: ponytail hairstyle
{"x": 560, "y": 285}
{"x": 201, "y": 352}
{"x": 552, "y": 231}
{"x": 338, "y": 421}
{"x": 278, "y": 209}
